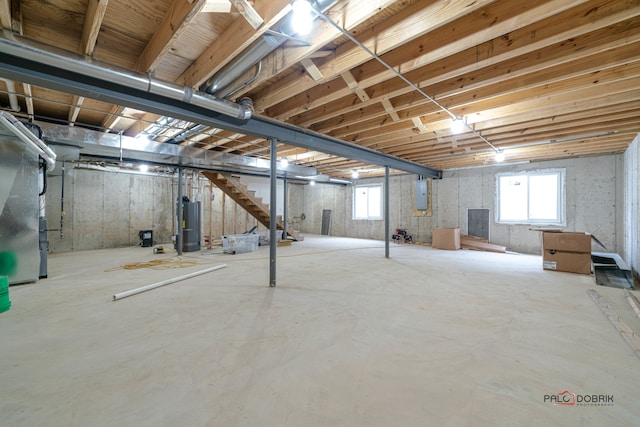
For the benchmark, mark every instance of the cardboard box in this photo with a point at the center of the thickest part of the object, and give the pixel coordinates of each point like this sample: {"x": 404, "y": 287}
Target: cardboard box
{"x": 446, "y": 238}
{"x": 566, "y": 251}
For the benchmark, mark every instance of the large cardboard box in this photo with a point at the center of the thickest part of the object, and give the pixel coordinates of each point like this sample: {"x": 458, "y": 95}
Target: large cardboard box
{"x": 566, "y": 251}
{"x": 446, "y": 238}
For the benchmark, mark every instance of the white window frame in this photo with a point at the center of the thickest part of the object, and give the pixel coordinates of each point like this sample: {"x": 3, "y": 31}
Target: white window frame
{"x": 561, "y": 197}
{"x": 368, "y": 217}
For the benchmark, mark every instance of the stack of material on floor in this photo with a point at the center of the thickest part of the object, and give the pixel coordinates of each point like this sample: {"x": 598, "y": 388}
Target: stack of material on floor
{"x": 240, "y": 243}
{"x": 480, "y": 244}
{"x": 265, "y": 238}
{"x": 297, "y": 237}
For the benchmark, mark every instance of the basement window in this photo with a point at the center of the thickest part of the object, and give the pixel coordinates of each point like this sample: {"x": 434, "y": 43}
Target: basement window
{"x": 367, "y": 201}
{"x": 536, "y": 198}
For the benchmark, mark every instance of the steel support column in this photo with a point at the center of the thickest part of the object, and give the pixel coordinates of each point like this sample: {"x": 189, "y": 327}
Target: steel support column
{"x": 386, "y": 212}
{"x": 273, "y": 213}
{"x": 179, "y": 236}
{"x": 285, "y": 200}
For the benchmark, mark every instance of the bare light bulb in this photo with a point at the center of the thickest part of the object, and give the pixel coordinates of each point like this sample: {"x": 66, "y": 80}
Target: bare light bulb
{"x": 302, "y": 17}
{"x": 143, "y": 168}
{"x": 499, "y": 156}
{"x": 458, "y": 125}
{"x": 284, "y": 163}
{"x": 355, "y": 174}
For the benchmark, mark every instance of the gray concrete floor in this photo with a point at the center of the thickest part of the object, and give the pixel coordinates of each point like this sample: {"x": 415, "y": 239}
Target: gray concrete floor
{"x": 348, "y": 338}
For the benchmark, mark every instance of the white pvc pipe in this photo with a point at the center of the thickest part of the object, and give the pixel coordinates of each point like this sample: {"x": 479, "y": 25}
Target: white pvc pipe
{"x": 21, "y": 131}
{"x": 166, "y": 282}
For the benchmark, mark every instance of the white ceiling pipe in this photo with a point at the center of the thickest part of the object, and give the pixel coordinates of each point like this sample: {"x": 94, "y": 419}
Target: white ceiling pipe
{"x": 11, "y": 91}
{"x": 165, "y": 282}
{"x": 20, "y": 130}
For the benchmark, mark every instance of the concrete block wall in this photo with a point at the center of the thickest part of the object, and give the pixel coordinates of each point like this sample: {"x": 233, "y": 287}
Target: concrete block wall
{"x": 107, "y": 209}
{"x": 593, "y": 190}
{"x": 631, "y": 252}
{"x": 593, "y": 193}
{"x": 312, "y": 200}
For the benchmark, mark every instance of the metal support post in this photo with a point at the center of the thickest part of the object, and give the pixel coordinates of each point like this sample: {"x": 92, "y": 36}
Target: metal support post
{"x": 273, "y": 213}
{"x": 179, "y": 235}
{"x": 284, "y": 208}
{"x": 386, "y": 211}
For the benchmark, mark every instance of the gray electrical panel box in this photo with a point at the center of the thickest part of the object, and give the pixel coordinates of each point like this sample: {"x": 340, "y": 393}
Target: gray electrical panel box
{"x": 420, "y": 194}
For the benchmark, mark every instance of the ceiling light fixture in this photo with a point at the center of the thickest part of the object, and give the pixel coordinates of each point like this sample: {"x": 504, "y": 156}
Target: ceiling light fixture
{"x": 499, "y": 156}
{"x": 302, "y": 17}
{"x": 284, "y": 163}
{"x": 143, "y": 168}
{"x": 312, "y": 183}
{"x": 355, "y": 174}
{"x": 458, "y": 125}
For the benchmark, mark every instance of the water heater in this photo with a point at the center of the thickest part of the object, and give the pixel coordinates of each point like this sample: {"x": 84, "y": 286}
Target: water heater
{"x": 190, "y": 226}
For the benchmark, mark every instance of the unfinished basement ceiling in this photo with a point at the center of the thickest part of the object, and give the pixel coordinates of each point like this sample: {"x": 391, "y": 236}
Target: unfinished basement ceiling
{"x": 539, "y": 79}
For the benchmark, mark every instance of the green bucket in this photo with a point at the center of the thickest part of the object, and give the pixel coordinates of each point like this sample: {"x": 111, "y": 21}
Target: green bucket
{"x": 5, "y": 304}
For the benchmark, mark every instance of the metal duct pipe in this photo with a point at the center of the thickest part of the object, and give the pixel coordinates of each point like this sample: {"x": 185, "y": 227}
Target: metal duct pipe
{"x": 20, "y": 130}
{"x": 11, "y": 91}
{"x": 186, "y": 134}
{"x": 220, "y": 83}
{"x": 234, "y": 69}
{"x": 22, "y": 47}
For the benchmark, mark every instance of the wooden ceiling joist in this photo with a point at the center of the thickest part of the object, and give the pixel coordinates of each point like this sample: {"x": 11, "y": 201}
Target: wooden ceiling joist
{"x": 520, "y": 73}
{"x": 238, "y": 36}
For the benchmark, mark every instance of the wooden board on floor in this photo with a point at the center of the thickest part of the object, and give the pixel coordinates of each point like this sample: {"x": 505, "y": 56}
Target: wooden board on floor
{"x": 480, "y": 244}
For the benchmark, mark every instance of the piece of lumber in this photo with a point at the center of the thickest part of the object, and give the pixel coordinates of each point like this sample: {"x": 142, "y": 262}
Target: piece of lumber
{"x": 621, "y": 326}
{"x": 633, "y": 300}
{"x": 311, "y": 68}
{"x": 467, "y": 242}
{"x": 475, "y": 238}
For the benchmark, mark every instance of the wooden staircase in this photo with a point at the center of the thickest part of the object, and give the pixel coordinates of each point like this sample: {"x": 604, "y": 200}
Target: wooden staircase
{"x": 248, "y": 200}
